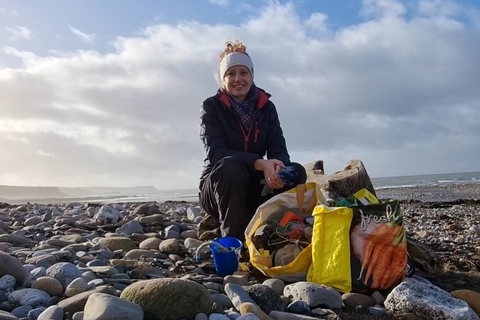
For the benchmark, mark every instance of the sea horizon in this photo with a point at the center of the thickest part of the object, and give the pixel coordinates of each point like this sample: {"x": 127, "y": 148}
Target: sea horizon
{"x": 191, "y": 194}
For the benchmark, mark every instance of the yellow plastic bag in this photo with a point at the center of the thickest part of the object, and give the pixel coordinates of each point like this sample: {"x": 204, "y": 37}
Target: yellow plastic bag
{"x": 358, "y": 249}
{"x": 300, "y": 200}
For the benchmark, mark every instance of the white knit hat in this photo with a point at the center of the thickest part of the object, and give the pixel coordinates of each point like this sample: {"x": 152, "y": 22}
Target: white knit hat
{"x": 235, "y": 59}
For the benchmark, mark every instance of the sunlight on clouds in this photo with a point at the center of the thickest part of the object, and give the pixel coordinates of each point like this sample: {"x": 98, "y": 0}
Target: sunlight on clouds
{"x": 135, "y": 110}
{"x": 442, "y": 8}
{"x": 89, "y": 38}
{"x": 317, "y": 21}
{"x": 222, "y": 3}
{"x": 383, "y": 9}
{"x": 19, "y": 32}
{"x": 44, "y": 154}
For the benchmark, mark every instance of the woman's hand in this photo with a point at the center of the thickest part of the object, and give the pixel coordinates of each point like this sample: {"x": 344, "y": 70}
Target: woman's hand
{"x": 270, "y": 170}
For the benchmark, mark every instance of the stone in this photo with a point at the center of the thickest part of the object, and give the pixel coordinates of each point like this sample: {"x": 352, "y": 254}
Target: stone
{"x": 189, "y": 234}
{"x": 37, "y": 273}
{"x": 280, "y": 315}
{"x": 10, "y": 265}
{"x": 14, "y": 240}
{"x": 52, "y": 313}
{"x": 377, "y": 311}
{"x": 248, "y": 316}
{"x": 146, "y": 209}
{"x": 428, "y": 301}
{"x": 299, "y": 307}
{"x": 265, "y": 297}
{"x": 169, "y": 246}
{"x": 130, "y": 227}
{"x": 182, "y": 298}
{"x": 35, "y": 313}
{"x": 352, "y": 300}
{"x": 222, "y": 300}
{"x": 193, "y": 213}
{"x": 218, "y": 316}
{"x": 32, "y": 221}
{"x": 314, "y": 294}
{"x": 320, "y": 312}
{"x": 237, "y": 295}
{"x": 150, "y": 244}
{"x": 250, "y": 308}
{"x": 236, "y": 279}
{"x": 118, "y": 243}
{"x": 101, "y": 306}
{"x": 472, "y": 298}
{"x": 77, "y": 286}
{"x": 7, "y": 281}
{"x": 4, "y": 315}
{"x": 138, "y": 253}
{"x": 77, "y": 302}
{"x": 48, "y": 284}
{"x": 78, "y": 315}
{"x": 21, "y": 311}
{"x": 29, "y": 297}
{"x": 276, "y": 284}
{"x": 64, "y": 272}
{"x": 153, "y": 219}
{"x": 107, "y": 214}
{"x": 201, "y": 316}
{"x": 192, "y": 243}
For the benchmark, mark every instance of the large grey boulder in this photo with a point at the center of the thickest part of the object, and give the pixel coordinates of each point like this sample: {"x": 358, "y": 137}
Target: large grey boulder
{"x": 169, "y": 298}
{"x": 428, "y": 301}
{"x": 10, "y": 265}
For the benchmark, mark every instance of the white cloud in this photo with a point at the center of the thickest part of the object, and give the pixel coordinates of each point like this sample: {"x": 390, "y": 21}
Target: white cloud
{"x": 89, "y": 38}
{"x": 400, "y": 94}
{"x": 222, "y": 3}
{"x": 19, "y": 32}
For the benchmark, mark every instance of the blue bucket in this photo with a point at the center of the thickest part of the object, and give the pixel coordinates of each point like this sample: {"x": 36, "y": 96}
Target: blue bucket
{"x": 226, "y": 263}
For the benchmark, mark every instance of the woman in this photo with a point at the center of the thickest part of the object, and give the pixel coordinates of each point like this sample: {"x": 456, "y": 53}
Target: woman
{"x": 239, "y": 127}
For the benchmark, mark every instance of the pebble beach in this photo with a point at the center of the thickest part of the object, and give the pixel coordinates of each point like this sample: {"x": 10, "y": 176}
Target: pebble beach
{"x": 137, "y": 261}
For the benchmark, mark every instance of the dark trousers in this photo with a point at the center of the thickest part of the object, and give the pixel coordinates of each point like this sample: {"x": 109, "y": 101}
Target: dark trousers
{"x": 232, "y": 194}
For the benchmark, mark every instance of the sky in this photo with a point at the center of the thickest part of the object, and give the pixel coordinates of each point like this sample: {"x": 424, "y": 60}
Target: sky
{"x": 108, "y": 93}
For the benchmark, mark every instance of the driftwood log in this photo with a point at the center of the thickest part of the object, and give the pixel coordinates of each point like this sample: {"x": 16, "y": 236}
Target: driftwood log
{"x": 340, "y": 184}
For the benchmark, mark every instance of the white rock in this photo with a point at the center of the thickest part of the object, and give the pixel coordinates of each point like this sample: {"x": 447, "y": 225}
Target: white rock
{"x": 193, "y": 213}
{"x": 130, "y": 227}
{"x": 108, "y": 215}
{"x": 428, "y": 301}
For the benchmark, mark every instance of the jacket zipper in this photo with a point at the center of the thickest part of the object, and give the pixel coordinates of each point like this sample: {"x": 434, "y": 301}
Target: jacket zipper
{"x": 256, "y": 133}
{"x": 247, "y": 136}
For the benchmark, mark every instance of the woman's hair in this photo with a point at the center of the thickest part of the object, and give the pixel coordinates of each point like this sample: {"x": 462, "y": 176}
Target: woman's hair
{"x": 233, "y": 46}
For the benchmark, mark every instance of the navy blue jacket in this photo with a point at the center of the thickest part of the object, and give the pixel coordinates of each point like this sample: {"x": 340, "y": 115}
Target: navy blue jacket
{"x": 223, "y": 135}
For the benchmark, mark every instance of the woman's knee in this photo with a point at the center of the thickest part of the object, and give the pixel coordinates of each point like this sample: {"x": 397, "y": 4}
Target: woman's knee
{"x": 231, "y": 168}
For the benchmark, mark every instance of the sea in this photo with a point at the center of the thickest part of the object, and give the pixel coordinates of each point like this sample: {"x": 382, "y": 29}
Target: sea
{"x": 428, "y": 180}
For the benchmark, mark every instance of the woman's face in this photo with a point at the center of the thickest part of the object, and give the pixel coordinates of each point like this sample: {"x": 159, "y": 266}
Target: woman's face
{"x": 238, "y": 81}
